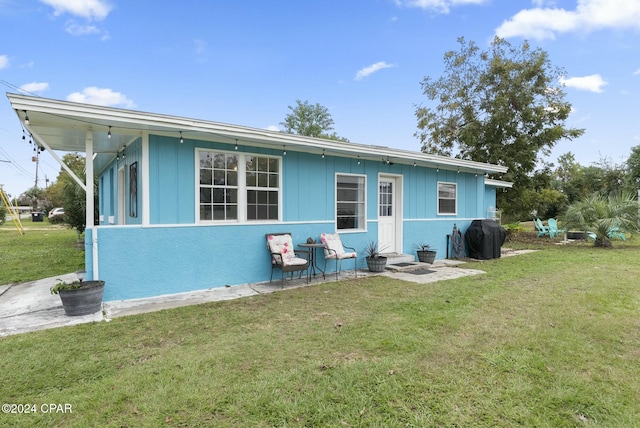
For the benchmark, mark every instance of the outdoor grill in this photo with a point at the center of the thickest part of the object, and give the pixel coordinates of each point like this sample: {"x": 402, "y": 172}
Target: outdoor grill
{"x": 484, "y": 238}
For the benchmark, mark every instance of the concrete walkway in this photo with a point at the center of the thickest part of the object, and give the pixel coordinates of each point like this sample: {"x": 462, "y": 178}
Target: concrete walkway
{"x": 30, "y": 306}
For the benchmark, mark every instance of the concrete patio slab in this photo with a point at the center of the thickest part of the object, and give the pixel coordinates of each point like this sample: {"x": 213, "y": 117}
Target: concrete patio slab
{"x": 30, "y": 306}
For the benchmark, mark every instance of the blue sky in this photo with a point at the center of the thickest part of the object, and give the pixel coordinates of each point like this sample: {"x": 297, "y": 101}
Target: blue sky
{"x": 244, "y": 62}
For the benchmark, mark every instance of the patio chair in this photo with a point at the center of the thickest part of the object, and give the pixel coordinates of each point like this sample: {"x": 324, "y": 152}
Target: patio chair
{"x": 616, "y": 233}
{"x": 541, "y": 228}
{"x": 335, "y": 250}
{"x": 284, "y": 256}
{"x": 553, "y": 228}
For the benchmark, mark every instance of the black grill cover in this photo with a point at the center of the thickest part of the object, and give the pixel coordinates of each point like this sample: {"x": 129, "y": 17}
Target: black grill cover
{"x": 484, "y": 239}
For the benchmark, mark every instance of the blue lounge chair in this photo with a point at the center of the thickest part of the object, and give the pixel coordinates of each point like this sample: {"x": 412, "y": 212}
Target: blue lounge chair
{"x": 553, "y": 228}
{"x": 616, "y": 233}
{"x": 541, "y": 228}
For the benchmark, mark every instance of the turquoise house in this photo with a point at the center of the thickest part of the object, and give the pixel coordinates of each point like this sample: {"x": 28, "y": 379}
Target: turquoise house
{"x": 184, "y": 204}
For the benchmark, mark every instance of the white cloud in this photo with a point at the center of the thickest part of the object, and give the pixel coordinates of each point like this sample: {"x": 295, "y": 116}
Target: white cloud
{"x": 589, "y": 15}
{"x": 367, "y": 71}
{"x": 273, "y": 128}
{"x": 76, "y": 29}
{"x": 101, "y": 97}
{"x": 35, "y": 87}
{"x": 442, "y": 6}
{"x": 4, "y": 61}
{"x": 89, "y": 9}
{"x": 593, "y": 83}
{"x": 637, "y": 72}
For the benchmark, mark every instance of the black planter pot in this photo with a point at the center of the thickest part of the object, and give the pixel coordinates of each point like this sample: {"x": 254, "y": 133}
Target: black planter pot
{"x": 84, "y": 300}
{"x": 376, "y": 264}
{"x": 427, "y": 256}
{"x": 576, "y": 235}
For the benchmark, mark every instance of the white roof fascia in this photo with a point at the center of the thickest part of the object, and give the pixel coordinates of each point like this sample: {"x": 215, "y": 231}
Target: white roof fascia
{"x": 498, "y": 183}
{"x": 152, "y": 122}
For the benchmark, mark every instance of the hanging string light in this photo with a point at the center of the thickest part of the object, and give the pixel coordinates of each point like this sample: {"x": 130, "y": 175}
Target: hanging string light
{"x": 109, "y": 133}
{"x": 181, "y": 139}
{"x": 236, "y": 146}
{"x": 26, "y": 117}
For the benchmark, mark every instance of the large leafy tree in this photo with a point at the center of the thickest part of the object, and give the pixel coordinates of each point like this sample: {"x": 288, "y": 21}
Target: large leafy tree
{"x": 54, "y": 191}
{"x": 577, "y": 181}
{"x": 504, "y": 105}
{"x": 310, "y": 120}
{"x": 633, "y": 170}
{"x": 34, "y": 197}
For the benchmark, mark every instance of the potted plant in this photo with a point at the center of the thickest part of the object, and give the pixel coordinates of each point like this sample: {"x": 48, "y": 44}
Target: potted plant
{"x": 375, "y": 262}
{"x": 80, "y": 297}
{"x": 425, "y": 253}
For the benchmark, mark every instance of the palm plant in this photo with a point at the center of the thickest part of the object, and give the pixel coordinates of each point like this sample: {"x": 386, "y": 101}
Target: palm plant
{"x": 600, "y": 215}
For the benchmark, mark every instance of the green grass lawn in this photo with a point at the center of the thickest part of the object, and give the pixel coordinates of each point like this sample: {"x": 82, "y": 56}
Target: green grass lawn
{"x": 545, "y": 339}
{"x": 44, "y": 251}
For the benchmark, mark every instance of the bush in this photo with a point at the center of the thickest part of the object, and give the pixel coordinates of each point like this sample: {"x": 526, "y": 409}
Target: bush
{"x": 3, "y": 215}
{"x": 513, "y": 230}
{"x": 58, "y": 219}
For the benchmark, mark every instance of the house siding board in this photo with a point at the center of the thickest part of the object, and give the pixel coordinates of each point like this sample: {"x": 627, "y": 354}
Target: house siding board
{"x": 174, "y": 254}
{"x": 171, "y": 185}
{"x": 106, "y": 194}
{"x": 432, "y": 232}
{"x": 420, "y": 193}
{"x": 466, "y": 188}
{"x": 303, "y": 182}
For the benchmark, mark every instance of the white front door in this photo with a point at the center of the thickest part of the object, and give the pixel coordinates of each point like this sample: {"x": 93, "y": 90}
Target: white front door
{"x": 388, "y": 214}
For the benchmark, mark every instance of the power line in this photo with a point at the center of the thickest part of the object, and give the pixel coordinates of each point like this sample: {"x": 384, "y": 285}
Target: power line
{"x": 16, "y": 166}
{"x": 17, "y": 88}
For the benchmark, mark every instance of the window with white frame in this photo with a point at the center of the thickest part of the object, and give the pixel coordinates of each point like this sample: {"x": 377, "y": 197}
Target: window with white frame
{"x": 447, "y": 198}
{"x": 350, "y": 202}
{"x": 238, "y": 187}
{"x": 263, "y": 187}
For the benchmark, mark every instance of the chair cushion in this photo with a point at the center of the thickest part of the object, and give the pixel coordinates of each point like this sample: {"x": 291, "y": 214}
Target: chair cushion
{"x": 333, "y": 242}
{"x": 282, "y": 244}
{"x": 295, "y": 261}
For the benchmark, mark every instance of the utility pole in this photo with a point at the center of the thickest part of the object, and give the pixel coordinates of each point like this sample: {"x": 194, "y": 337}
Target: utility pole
{"x": 36, "y": 159}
